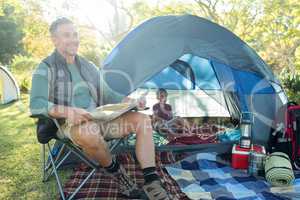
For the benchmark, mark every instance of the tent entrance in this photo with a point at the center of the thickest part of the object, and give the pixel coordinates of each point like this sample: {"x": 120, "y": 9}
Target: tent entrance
{"x": 193, "y": 89}
{"x": 187, "y": 103}
{"x": 195, "y": 94}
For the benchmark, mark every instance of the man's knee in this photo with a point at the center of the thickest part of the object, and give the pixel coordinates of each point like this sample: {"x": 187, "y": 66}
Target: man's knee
{"x": 138, "y": 118}
{"x": 139, "y": 121}
{"x": 87, "y": 135}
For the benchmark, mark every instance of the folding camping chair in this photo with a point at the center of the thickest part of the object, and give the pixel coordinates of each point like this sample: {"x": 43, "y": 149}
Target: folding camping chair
{"x": 51, "y": 166}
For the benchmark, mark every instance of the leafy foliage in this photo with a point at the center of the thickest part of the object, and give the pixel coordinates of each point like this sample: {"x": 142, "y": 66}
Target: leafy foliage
{"x": 22, "y": 68}
{"x": 37, "y": 42}
{"x": 23, "y": 64}
{"x": 90, "y": 48}
{"x": 10, "y": 38}
{"x": 25, "y": 85}
{"x": 291, "y": 83}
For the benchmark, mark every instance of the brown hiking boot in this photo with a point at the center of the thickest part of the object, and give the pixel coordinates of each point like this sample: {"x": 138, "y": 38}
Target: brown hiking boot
{"x": 155, "y": 191}
{"x": 128, "y": 187}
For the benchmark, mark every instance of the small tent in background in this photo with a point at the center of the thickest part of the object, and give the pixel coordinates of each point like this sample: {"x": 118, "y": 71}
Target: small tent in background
{"x": 9, "y": 89}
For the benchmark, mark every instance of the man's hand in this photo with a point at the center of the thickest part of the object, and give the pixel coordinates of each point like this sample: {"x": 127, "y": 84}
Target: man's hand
{"x": 73, "y": 115}
{"x": 77, "y": 116}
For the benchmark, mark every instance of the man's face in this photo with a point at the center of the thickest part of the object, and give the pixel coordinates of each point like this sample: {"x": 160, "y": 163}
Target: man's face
{"x": 66, "y": 39}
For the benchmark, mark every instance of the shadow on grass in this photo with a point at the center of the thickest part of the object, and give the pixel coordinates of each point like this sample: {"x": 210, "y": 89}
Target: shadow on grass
{"x": 2, "y": 106}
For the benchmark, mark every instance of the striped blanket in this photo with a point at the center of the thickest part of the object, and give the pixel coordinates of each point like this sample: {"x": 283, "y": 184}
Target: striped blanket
{"x": 206, "y": 176}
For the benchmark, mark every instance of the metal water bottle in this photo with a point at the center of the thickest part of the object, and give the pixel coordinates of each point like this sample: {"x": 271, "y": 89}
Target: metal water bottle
{"x": 246, "y": 128}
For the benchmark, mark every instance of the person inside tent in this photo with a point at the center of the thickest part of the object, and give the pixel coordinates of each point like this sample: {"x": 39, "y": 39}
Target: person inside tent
{"x": 163, "y": 120}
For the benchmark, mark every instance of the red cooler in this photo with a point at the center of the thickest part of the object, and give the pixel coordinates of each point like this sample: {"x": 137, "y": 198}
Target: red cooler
{"x": 240, "y": 156}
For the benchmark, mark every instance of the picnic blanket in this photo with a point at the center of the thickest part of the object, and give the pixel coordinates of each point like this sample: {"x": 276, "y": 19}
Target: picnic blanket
{"x": 102, "y": 187}
{"x": 206, "y": 176}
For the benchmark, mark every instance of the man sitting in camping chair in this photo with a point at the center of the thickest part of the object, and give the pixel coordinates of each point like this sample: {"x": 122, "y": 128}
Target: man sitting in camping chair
{"x": 66, "y": 86}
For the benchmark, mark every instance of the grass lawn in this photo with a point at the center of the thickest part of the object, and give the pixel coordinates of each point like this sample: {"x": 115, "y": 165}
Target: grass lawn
{"x": 20, "y": 157}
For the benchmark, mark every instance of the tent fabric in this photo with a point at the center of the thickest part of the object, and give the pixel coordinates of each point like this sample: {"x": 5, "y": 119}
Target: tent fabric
{"x": 169, "y": 78}
{"x": 9, "y": 89}
{"x": 159, "y": 41}
{"x": 197, "y": 70}
{"x": 205, "y": 76}
{"x": 220, "y": 63}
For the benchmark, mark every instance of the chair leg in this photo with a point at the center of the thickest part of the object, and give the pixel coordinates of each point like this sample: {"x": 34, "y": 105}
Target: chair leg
{"x": 88, "y": 162}
{"x": 84, "y": 158}
{"x": 115, "y": 144}
{"x": 47, "y": 165}
{"x": 82, "y": 183}
{"x": 58, "y": 164}
{"x": 44, "y": 162}
{"x": 57, "y": 157}
{"x": 54, "y": 165}
{"x": 56, "y": 174}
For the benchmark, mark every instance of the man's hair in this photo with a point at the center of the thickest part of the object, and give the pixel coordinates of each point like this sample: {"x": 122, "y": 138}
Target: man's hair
{"x": 161, "y": 90}
{"x": 58, "y": 22}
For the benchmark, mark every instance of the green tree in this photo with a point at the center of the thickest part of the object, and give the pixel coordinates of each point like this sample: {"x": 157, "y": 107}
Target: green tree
{"x": 278, "y": 32}
{"x": 37, "y": 42}
{"x": 291, "y": 83}
{"x": 10, "y": 34}
{"x": 90, "y": 47}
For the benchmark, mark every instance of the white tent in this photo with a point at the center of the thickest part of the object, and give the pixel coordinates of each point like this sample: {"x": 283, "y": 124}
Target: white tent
{"x": 9, "y": 89}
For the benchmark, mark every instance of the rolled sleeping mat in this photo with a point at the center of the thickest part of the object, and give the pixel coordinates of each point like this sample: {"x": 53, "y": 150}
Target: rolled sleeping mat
{"x": 278, "y": 169}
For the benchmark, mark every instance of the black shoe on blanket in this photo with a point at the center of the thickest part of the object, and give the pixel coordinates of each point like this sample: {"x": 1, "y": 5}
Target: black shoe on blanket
{"x": 128, "y": 188}
{"x": 155, "y": 191}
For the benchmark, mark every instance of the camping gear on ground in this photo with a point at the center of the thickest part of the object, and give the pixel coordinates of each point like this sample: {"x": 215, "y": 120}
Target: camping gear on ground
{"x": 278, "y": 169}
{"x": 206, "y": 69}
{"x": 245, "y": 125}
{"x": 256, "y": 166}
{"x": 229, "y": 135}
{"x": 293, "y": 132}
{"x": 240, "y": 155}
{"x": 9, "y": 89}
{"x": 286, "y": 137}
{"x": 208, "y": 173}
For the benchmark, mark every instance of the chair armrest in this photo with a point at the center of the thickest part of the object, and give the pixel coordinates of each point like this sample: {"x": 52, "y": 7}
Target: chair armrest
{"x": 38, "y": 116}
{"x": 47, "y": 128}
